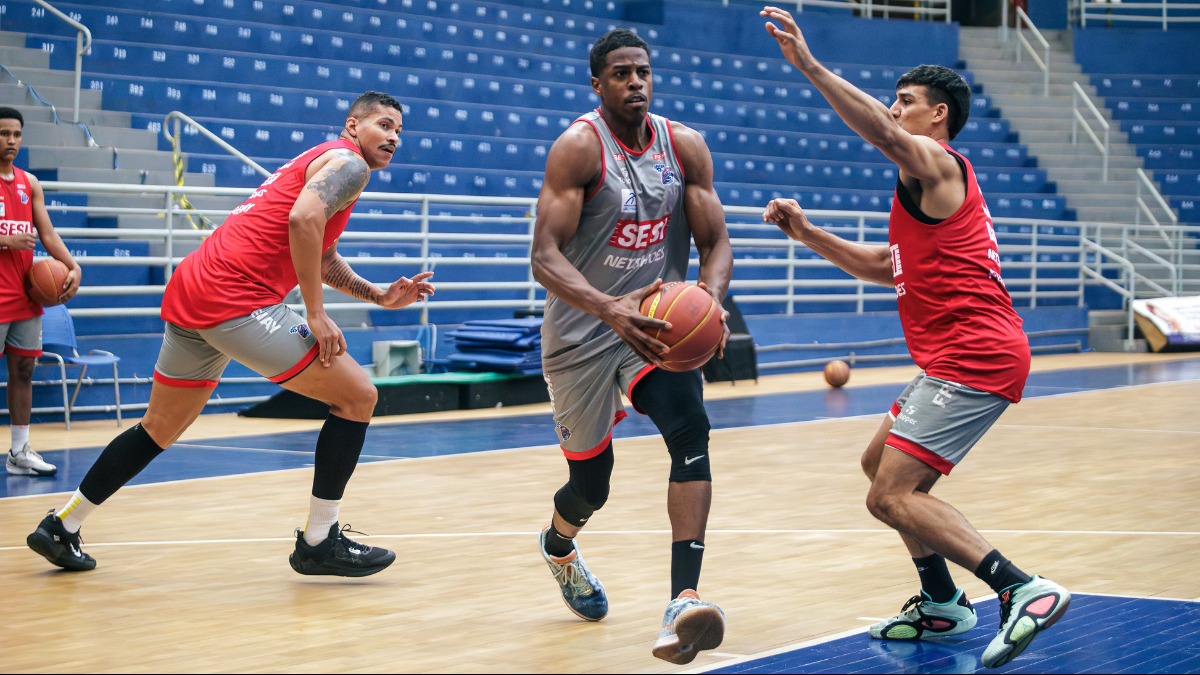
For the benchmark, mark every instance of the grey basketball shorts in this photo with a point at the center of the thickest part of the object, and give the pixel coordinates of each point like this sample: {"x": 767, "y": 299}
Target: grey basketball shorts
{"x": 273, "y": 341}
{"x": 23, "y": 338}
{"x": 939, "y": 421}
{"x": 586, "y": 398}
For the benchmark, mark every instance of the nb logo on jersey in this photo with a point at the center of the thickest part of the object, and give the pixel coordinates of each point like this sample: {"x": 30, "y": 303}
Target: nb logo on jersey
{"x": 668, "y": 176}
{"x": 635, "y": 236}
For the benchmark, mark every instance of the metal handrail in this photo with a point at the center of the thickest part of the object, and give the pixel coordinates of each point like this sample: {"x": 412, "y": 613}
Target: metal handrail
{"x": 1042, "y": 62}
{"x": 1144, "y": 182}
{"x": 180, "y": 119}
{"x": 1126, "y": 293}
{"x": 83, "y": 44}
{"x": 1162, "y": 15}
{"x": 1077, "y": 118}
{"x": 1171, "y": 269}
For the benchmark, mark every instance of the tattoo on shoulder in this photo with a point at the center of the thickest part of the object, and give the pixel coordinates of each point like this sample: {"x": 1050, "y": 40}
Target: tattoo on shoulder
{"x": 340, "y": 181}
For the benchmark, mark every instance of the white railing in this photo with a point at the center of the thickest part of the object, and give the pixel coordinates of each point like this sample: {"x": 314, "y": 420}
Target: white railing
{"x": 1109, "y": 11}
{"x": 1078, "y": 119}
{"x": 1023, "y": 44}
{"x": 886, "y": 9}
{"x": 83, "y": 44}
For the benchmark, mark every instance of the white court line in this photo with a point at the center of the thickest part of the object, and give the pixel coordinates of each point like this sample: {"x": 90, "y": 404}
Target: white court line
{"x": 867, "y": 416}
{"x": 529, "y": 533}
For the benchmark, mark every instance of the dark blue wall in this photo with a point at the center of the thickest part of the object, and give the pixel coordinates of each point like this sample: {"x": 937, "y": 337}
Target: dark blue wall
{"x": 1136, "y": 51}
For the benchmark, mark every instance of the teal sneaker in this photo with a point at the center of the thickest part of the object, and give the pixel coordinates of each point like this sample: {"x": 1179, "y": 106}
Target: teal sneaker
{"x": 581, "y": 590}
{"x": 689, "y": 626}
{"x": 923, "y": 618}
{"x": 1025, "y": 611}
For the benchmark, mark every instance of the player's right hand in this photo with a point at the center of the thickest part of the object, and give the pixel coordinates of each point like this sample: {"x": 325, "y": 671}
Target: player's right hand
{"x": 24, "y": 241}
{"x": 624, "y": 314}
{"x": 330, "y": 341}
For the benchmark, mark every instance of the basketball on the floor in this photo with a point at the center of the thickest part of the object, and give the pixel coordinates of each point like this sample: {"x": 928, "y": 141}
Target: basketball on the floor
{"x": 44, "y": 282}
{"x": 837, "y": 373}
{"x": 695, "y": 319}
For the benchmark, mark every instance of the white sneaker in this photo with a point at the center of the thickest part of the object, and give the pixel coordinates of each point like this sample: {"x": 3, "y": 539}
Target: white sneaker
{"x": 28, "y": 463}
{"x": 922, "y": 618}
{"x": 1025, "y": 611}
{"x": 689, "y": 626}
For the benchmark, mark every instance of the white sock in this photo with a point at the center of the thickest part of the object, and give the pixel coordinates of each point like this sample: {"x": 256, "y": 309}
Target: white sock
{"x": 75, "y": 511}
{"x": 322, "y": 513}
{"x": 20, "y": 436}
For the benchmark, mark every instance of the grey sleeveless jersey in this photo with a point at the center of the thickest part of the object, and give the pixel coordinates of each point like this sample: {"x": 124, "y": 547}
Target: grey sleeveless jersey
{"x": 632, "y": 230}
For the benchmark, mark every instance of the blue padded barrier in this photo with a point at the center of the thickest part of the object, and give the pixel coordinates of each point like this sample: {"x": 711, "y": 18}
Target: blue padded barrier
{"x": 1170, "y": 157}
{"x": 1150, "y": 85}
{"x": 1162, "y": 133}
{"x": 1155, "y": 109}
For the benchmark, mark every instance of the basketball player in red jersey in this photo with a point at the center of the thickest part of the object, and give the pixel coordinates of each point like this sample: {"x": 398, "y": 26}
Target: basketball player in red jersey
{"x": 23, "y": 221}
{"x": 226, "y": 301}
{"x": 961, "y": 329}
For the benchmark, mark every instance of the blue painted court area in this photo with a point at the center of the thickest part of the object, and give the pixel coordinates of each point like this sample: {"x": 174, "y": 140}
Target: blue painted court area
{"x": 253, "y": 454}
{"x": 1098, "y": 634}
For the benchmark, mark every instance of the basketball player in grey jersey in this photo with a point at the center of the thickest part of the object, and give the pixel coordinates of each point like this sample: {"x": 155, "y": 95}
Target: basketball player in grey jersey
{"x": 625, "y": 195}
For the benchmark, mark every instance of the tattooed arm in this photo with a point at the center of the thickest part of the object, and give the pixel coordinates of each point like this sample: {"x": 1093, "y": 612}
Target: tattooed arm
{"x": 400, "y": 293}
{"x": 334, "y": 181}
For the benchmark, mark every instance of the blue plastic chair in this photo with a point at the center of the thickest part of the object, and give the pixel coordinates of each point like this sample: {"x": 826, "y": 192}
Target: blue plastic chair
{"x": 60, "y": 348}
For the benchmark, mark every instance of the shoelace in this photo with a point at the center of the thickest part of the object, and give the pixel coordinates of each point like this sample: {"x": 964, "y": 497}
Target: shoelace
{"x": 914, "y": 604}
{"x": 569, "y": 575}
{"x": 1005, "y": 609}
{"x": 350, "y": 542}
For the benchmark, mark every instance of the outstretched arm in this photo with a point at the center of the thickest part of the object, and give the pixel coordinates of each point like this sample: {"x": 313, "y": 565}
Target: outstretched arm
{"x": 573, "y": 164}
{"x": 337, "y": 274}
{"x": 335, "y": 180}
{"x": 917, "y": 156}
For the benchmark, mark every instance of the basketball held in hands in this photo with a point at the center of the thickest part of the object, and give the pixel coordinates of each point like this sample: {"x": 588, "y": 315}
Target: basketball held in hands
{"x": 696, "y": 327}
{"x": 44, "y": 282}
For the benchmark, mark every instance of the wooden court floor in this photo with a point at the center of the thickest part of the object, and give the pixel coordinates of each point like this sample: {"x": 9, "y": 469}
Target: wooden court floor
{"x": 1096, "y": 490}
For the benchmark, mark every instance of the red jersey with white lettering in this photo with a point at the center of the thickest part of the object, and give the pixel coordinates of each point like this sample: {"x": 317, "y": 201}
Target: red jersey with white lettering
{"x": 246, "y": 264}
{"x": 957, "y": 316}
{"x": 16, "y": 217}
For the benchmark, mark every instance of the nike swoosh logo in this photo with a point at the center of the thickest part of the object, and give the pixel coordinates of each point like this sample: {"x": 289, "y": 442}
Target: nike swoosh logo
{"x": 687, "y": 461}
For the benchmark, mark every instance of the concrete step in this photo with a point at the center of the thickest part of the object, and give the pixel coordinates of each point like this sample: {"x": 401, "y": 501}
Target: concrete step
{"x": 22, "y": 57}
{"x": 59, "y": 135}
{"x": 130, "y": 201}
{"x": 125, "y": 138}
{"x": 1103, "y": 214}
{"x": 62, "y": 98}
{"x": 9, "y": 39}
{"x": 44, "y": 77}
{"x": 131, "y": 177}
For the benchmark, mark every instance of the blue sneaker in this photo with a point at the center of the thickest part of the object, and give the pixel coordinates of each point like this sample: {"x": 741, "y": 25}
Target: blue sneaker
{"x": 1025, "y": 611}
{"x": 581, "y": 590}
{"x": 689, "y": 625}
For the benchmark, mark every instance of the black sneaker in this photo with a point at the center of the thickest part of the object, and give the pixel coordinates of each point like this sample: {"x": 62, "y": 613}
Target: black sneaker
{"x": 339, "y": 555}
{"x": 60, "y": 547}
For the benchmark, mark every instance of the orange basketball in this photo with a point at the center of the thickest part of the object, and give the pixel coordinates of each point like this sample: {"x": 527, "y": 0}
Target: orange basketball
{"x": 695, "y": 319}
{"x": 837, "y": 373}
{"x": 44, "y": 283}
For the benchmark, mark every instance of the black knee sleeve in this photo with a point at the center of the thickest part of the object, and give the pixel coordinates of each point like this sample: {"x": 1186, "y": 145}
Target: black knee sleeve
{"x": 675, "y": 403}
{"x": 587, "y": 489}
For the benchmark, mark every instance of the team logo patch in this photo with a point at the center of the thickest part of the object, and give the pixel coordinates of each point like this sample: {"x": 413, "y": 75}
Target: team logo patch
{"x": 668, "y": 176}
{"x": 563, "y": 432}
{"x": 24, "y": 197}
{"x": 1, "y": 207}
{"x": 301, "y": 330}
{"x": 628, "y": 201}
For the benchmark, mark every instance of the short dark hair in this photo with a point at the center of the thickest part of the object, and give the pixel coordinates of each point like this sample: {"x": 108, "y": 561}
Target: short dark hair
{"x": 364, "y": 105}
{"x": 614, "y": 39}
{"x": 7, "y": 113}
{"x": 944, "y": 86}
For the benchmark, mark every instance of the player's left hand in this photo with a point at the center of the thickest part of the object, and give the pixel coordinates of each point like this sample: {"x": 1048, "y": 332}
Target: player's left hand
{"x": 724, "y": 320}
{"x": 791, "y": 40}
{"x": 405, "y": 291}
{"x": 70, "y": 285}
